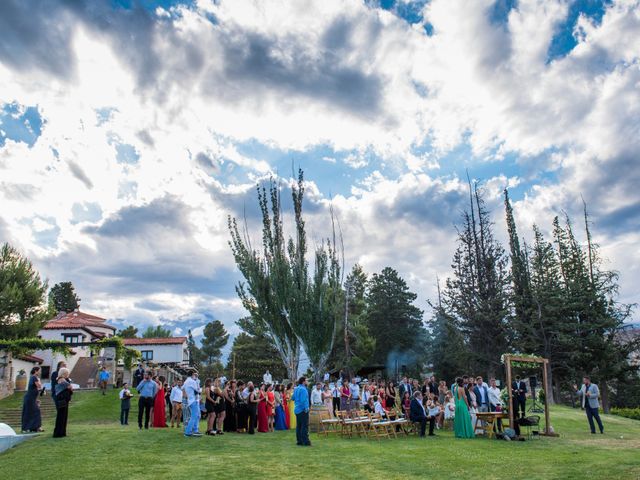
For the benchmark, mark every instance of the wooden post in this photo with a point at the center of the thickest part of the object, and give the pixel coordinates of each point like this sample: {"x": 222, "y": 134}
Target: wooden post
{"x": 507, "y": 363}
{"x": 545, "y": 365}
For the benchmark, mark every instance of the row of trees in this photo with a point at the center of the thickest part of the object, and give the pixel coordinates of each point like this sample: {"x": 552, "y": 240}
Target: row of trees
{"x": 336, "y": 323}
{"x": 552, "y": 298}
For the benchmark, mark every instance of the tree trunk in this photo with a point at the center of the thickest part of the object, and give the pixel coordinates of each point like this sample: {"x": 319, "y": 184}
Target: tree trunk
{"x": 604, "y": 393}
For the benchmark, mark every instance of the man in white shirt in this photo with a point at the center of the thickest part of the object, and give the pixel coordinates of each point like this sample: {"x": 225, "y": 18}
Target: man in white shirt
{"x": 326, "y": 377}
{"x": 335, "y": 393}
{"x": 267, "y": 379}
{"x": 176, "y": 403}
{"x": 495, "y": 400}
{"x": 377, "y": 407}
{"x": 316, "y": 395}
{"x": 245, "y": 392}
{"x": 192, "y": 389}
{"x": 355, "y": 394}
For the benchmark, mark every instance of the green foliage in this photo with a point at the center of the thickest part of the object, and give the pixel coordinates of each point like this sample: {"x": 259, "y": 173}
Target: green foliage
{"x": 477, "y": 293}
{"x": 156, "y": 332}
{"x": 354, "y": 345}
{"x": 392, "y": 318}
{"x": 633, "y": 413}
{"x": 215, "y": 338}
{"x": 128, "y": 332}
{"x": 23, "y": 309}
{"x": 447, "y": 352}
{"x": 195, "y": 354}
{"x": 28, "y": 345}
{"x": 63, "y": 298}
{"x": 293, "y": 308}
{"x": 253, "y": 355}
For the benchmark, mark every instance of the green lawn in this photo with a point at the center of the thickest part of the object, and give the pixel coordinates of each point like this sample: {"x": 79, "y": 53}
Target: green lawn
{"x": 98, "y": 447}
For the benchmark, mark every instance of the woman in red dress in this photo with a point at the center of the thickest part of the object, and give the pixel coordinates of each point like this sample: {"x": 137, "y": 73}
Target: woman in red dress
{"x": 263, "y": 420}
{"x": 159, "y": 406}
{"x": 271, "y": 406}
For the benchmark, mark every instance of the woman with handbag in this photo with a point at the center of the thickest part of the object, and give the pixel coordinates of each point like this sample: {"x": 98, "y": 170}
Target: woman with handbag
{"x": 63, "y": 392}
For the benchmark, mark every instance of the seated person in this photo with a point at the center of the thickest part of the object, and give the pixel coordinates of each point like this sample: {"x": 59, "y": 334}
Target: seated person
{"x": 378, "y": 408}
{"x": 369, "y": 406}
{"x": 435, "y": 410}
{"x": 418, "y": 414}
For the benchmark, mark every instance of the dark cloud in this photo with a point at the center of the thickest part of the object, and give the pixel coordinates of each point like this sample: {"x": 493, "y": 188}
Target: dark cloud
{"x": 145, "y": 137}
{"x": 167, "y": 214}
{"x": 36, "y": 35}
{"x": 254, "y": 62}
{"x": 78, "y": 172}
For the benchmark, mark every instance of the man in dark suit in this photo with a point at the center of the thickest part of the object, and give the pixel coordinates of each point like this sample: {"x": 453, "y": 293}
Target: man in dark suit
{"x": 433, "y": 386}
{"x": 519, "y": 393}
{"x": 418, "y": 414}
{"x": 405, "y": 386}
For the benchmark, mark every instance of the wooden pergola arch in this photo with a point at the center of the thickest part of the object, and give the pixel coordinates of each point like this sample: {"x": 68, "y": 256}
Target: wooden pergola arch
{"x": 545, "y": 364}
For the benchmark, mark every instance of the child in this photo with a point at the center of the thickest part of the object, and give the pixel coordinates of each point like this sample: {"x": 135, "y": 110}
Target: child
{"x": 125, "y": 404}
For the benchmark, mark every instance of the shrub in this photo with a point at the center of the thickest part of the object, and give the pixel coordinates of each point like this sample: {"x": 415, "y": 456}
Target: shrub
{"x": 633, "y": 413}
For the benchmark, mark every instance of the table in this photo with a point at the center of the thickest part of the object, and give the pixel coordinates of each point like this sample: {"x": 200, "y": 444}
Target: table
{"x": 489, "y": 419}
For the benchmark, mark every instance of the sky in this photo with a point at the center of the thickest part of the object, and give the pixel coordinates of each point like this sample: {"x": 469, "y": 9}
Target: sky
{"x": 131, "y": 130}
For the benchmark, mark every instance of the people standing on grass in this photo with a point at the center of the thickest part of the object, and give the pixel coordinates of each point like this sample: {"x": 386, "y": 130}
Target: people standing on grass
{"x": 167, "y": 399}
{"x": 292, "y": 406}
{"x": 327, "y": 400}
{"x": 263, "y": 419}
{"x": 219, "y": 407}
{"x": 301, "y": 399}
{"x": 271, "y": 406}
{"x": 31, "y": 416}
{"x": 138, "y": 375}
{"x": 192, "y": 390}
{"x": 589, "y": 394}
{"x": 462, "y": 425}
{"x": 147, "y": 389}
{"x": 519, "y": 393}
{"x": 103, "y": 379}
{"x": 280, "y": 421}
{"x": 176, "y": 403}
{"x": 229, "y": 392}
{"x": 209, "y": 405}
{"x": 159, "y": 405}
{"x": 241, "y": 408}
{"x": 345, "y": 397}
{"x": 54, "y": 378}
{"x": 63, "y": 390}
{"x": 252, "y": 408}
{"x": 125, "y": 403}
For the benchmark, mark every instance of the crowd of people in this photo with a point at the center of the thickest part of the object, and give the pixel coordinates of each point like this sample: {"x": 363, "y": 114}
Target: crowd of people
{"x": 236, "y": 406}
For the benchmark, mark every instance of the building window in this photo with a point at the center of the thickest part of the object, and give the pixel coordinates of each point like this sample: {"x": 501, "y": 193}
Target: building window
{"x": 147, "y": 355}
{"x": 71, "y": 338}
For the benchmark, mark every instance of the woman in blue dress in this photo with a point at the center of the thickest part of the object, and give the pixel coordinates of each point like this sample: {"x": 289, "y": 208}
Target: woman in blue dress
{"x": 31, "y": 418}
{"x": 280, "y": 420}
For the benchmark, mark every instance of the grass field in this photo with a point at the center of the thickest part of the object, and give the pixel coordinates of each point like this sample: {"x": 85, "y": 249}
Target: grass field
{"x": 98, "y": 447}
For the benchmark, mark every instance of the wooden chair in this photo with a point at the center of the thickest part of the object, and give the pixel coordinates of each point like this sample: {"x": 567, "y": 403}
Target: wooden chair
{"x": 380, "y": 427}
{"x": 329, "y": 424}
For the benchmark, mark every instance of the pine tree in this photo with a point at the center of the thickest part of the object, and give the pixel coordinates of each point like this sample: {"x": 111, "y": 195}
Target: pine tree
{"x": 251, "y": 356}
{"x": 63, "y": 298}
{"x": 128, "y": 332}
{"x": 354, "y": 344}
{"x": 477, "y": 293}
{"x": 156, "y": 332}
{"x": 393, "y": 320}
{"x": 447, "y": 349}
{"x": 23, "y": 307}
{"x": 521, "y": 299}
{"x": 214, "y": 340}
{"x": 195, "y": 355}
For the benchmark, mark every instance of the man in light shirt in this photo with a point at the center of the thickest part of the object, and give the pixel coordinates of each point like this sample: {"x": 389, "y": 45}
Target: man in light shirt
{"x": 266, "y": 378}
{"x": 355, "y": 394}
{"x": 316, "y": 395}
{"x": 495, "y": 400}
{"x": 589, "y": 394}
{"x": 192, "y": 389}
{"x": 147, "y": 390}
{"x": 176, "y": 401}
{"x": 378, "y": 409}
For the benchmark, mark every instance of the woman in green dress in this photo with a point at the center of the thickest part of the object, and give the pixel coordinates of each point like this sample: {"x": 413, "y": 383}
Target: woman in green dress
{"x": 462, "y": 421}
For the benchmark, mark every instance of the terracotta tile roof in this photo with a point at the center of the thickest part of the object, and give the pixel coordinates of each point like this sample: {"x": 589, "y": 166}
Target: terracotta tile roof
{"x": 76, "y": 320}
{"x": 155, "y": 341}
{"x": 30, "y": 358}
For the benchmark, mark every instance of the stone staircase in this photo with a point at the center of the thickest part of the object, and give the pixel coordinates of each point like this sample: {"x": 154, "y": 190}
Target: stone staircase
{"x": 12, "y": 416}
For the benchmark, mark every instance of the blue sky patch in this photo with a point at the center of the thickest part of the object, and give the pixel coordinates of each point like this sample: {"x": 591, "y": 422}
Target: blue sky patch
{"x": 20, "y": 123}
